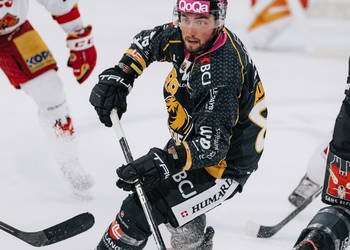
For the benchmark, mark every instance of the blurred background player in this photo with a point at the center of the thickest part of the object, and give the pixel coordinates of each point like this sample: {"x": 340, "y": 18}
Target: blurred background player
{"x": 29, "y": 65}
{"x": 271, "y": 18}
{"x": 329, "y": 229}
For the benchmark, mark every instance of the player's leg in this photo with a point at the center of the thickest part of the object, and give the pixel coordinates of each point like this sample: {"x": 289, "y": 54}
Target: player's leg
{"x": 180, "y": 202}
{"x": 30, "y": 66}
{"x": 339, "y": 146}
{"x": 130, "y": 228}
{"x": 192, "y": 235}
{"x": 328, "y": 230}
{"x": 193, "y": 194}
{"x": 313, "y": 178}
{"x": 330, "y": 227}
{"x": 56, "y": 122}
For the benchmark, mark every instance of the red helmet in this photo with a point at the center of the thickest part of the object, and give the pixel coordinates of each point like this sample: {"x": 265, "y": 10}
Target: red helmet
{"x": 215, "y": 7}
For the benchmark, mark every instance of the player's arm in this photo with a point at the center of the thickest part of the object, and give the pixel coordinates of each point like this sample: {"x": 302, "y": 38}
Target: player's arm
{"x": 149, "y": 46}
{"x": 83, "y": 55}
{"x": 66, "y": 13}
{"x": 229, "y": 115}
{"x": 340, "y": 143}
{"x": 214, "y": 118}
{"x": 115, "y": 83}
{"x": 215, "y": 115}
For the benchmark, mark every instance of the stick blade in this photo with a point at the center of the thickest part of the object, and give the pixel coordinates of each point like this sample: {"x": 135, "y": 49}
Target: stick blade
{"x": 259, "y": 231}
{"x": 266, "y": 231}
{"x": 69, "y": 228}
{"x": 251, "y": 228}
{"x": 51, "y": 235}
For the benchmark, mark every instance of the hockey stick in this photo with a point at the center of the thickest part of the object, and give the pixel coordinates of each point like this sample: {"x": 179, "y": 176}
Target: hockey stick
{"x": 139, "y": 190}
{"x": 51, "y": 235}
{"x": 261, "y": 231}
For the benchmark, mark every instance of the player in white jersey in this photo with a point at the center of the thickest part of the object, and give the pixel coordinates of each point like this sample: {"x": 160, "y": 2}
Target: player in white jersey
{"x": 271, "y": 18}
{"x": 29, "y": 65}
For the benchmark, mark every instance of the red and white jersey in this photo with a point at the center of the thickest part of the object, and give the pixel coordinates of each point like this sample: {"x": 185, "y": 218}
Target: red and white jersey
{"x": 13, "y": 13}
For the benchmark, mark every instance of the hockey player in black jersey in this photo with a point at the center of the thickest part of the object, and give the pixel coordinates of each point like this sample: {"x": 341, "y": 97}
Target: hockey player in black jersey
{"x": 329, "y": 229}
{"x": 217, "y": 121}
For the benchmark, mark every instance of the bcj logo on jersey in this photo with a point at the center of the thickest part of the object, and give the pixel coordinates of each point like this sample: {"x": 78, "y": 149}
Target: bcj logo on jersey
{"x": 197, "y": 7}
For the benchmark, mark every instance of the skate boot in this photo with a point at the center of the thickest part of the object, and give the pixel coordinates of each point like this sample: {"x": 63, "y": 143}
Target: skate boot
{"x": 207, "y": 243}
{"x": 192, "y": 236}
{"x": 304, "y": 245}
{"x": 304, "y": 190}
{"x": 208, "y": 239}
{"x": 65, "y": 150}
{"x": 314, "y": 240}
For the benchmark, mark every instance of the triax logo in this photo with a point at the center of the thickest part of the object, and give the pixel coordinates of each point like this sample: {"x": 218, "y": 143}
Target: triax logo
{"x": 197, "y": 7}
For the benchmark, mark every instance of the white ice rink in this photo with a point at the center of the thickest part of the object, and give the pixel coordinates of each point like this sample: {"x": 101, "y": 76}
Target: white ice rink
{"x": 304, "y": 94}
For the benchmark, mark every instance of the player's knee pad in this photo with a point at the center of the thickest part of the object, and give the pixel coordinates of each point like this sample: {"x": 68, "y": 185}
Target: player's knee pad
{"x": 329, "y": 228}
{"x": 130, "y": 229}
{"x": 191, "y": 236}
{"x": 116, "y": 239}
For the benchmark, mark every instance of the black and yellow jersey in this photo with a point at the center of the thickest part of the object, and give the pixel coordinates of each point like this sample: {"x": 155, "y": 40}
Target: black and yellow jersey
{"x": 215, "y": 101}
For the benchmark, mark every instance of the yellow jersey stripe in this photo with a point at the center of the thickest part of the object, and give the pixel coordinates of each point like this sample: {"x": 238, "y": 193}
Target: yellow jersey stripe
{"x": 188, "y": 164}
{"x": 239, "y": 55}
{"x": 137, "y": 57}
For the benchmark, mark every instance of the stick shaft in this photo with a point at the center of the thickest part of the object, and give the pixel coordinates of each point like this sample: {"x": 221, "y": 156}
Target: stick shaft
{"x": 139, "y": 190}
{"x": 268, "y": 231}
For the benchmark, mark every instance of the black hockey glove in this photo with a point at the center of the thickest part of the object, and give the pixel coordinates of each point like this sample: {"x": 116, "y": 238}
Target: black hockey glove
{"x": 110, "y": 92}
{"x": 151, "y": 169}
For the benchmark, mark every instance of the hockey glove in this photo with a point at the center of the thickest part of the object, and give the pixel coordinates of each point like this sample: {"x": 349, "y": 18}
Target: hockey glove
{"x": 83, "y": 55}
{"x": 110, "y": 92}
{"x": 151, "y": 169}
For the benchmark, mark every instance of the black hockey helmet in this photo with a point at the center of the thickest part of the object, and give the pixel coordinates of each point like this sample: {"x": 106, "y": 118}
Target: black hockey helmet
{"x": 215, "y": 7}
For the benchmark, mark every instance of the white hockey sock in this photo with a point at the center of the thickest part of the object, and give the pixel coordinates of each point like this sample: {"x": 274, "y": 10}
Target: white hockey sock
{"x": 54, "y": 118}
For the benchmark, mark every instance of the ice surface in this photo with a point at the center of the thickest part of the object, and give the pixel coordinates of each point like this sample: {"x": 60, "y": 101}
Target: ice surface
{"x": 304, "y": 94}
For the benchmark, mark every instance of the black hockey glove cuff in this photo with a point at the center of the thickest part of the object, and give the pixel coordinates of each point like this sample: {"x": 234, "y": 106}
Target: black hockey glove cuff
{"x": 151, "y": 169}
{"x": 110, "y": 92}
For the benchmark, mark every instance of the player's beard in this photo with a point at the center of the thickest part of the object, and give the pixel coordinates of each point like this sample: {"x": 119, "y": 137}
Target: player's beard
{"x": 202, "y": 47}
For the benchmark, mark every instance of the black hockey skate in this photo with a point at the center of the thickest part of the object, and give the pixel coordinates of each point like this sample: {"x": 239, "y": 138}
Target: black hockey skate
{"x": 314, "y": 240}
{"x": 304, "y": 245}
